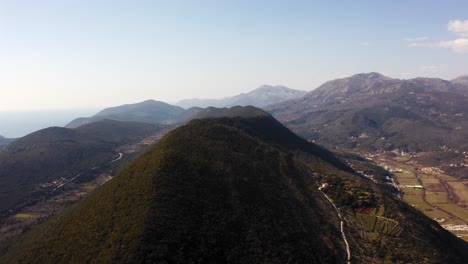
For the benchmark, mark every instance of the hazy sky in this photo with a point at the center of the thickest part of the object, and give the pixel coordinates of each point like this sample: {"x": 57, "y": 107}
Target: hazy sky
{"x": 97, "y": 53}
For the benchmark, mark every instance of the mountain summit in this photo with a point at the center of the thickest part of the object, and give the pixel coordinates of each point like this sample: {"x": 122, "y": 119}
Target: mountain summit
{"x": 237, "y": 190}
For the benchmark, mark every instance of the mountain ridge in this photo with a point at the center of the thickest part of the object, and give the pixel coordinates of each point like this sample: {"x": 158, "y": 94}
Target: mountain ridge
{"x": 262, "y": 96}
{"x": 380, "y": 113}
{"x": 148, "y": 111}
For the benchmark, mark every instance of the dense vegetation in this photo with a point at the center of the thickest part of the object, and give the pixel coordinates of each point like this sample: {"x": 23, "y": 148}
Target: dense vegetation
{"x": 53, "y": 153}
{"x": 235, "y": 190}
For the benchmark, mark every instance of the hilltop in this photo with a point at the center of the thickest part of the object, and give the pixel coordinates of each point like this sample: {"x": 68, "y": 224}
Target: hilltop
{"x": 242, "y": 189}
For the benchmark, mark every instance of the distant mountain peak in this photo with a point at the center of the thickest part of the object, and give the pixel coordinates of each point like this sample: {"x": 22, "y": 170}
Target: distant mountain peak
{"x": 371, "y": 76}
{"x": 260, "y": 97}
{"x": 273, "y": 88}
{"x": 465, "y": 76}
{"x": 463, "y": 80}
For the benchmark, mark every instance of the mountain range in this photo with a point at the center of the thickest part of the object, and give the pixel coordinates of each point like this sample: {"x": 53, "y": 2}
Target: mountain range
{"x": 236, "y": 186}
{"x": 375, "y": 112}
{"x": 238, "y": 189}
{"x": 157, "y": 112}
{"x": 260, "y": 97}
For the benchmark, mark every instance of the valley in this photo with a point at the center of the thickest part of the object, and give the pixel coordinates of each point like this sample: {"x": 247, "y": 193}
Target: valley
{"x": 26, "y": 217}
{"x": 440, "y": 196}
{"x": 51, "y": 198}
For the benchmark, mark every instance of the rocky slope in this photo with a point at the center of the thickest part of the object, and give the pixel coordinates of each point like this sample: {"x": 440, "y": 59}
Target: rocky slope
{"x": 374, "y": 112}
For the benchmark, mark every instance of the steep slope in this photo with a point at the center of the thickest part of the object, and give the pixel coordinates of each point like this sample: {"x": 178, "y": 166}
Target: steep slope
{"x": 54, "y": 153}
{"x": 149, "y": 111}
{"x": 235, "y": 190}
{"x": 262, "y": 96}
{"x": 374, "y": 112}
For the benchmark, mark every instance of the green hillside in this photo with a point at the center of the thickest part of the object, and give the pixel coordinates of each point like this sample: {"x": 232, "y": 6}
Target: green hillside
{"x": 236, "y": 190}
{"x": 150, "y": 111}
{"x": 54, "y": 153}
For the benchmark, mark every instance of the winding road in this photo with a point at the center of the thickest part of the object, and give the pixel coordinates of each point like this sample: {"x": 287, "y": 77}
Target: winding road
{"x": 94, "y": 168}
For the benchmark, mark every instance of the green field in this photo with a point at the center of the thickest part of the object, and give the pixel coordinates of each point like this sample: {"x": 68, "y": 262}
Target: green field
{"x": 437, "y": 198}
{"x": 436, "y": 202}
{"x": 406, "y": 178}
{"x": 460, "y": 189}
{"x": 23, "y": 216}
{"x": 428, "y": 179}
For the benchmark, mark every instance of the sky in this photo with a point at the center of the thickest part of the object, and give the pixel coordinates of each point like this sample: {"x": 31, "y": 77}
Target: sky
{"x": 88, "y": 54}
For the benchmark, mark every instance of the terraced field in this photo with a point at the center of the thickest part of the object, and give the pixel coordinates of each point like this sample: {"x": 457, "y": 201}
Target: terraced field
{"x": 373, "y": 222}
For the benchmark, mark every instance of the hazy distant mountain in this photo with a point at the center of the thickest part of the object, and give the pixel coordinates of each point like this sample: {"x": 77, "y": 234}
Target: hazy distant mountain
{"x": 260, "y": 97}
{"x": 19, "y": 124}
{"x": 52, "y": 153}
{"x": 371, "y": 111}
{"x": 461, "y": 80}
{"x": 149, "y": 111}
{"x": 5, "y": 141}
{"x": 243, "y": 189}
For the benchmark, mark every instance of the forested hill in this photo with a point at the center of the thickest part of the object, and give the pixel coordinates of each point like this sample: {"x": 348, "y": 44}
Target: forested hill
{"x": 237, "y": 190}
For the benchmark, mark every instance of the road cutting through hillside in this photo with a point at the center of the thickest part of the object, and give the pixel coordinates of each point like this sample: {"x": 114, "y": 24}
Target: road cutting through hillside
{"x": 94, "y": 168}
{"x": 348, "y": 251}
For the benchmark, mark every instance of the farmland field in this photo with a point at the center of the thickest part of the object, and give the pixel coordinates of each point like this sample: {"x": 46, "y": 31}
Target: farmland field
{"x": 31, "y": 216}
{"x": 443, "y": 197}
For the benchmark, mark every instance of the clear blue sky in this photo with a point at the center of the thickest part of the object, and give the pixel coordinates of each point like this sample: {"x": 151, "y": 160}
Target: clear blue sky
{"x": 87, "y": 54}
